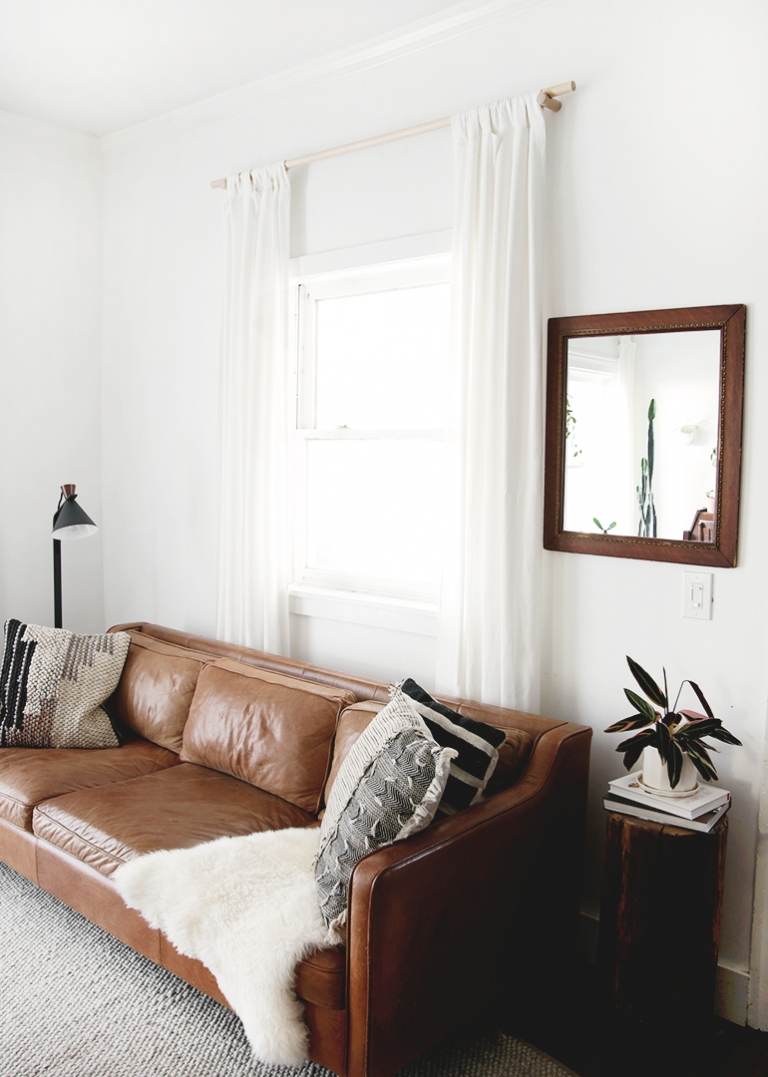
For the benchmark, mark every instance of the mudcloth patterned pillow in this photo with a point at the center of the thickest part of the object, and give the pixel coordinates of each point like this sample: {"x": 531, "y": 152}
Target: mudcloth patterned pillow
{"x": 52, "y": 685}
{"x": 476, "y": 744}
{"x": 389, "y": 786}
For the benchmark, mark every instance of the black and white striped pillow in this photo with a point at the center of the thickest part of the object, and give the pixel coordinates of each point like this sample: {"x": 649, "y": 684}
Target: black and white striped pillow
{"x": 477, "y": 744}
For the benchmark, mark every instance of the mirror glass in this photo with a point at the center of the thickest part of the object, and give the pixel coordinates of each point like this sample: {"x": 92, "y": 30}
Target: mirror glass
{"x": 641, "y": 435}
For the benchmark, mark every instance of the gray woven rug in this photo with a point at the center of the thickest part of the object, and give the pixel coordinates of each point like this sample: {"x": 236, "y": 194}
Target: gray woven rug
{"x": 75, "y": 1002}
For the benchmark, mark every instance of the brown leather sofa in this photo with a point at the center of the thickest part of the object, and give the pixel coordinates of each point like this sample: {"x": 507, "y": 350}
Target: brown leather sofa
{"x": 223, "y": 740}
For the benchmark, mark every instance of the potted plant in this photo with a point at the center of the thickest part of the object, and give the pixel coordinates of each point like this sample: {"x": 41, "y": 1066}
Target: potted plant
{"x": 671, "y": 740}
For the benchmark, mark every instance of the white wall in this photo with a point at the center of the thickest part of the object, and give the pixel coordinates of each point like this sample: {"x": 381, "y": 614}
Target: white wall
{"x": 680, "y": 372}
{"x": 658, "y": 174}
{"x": 50, "y": 326}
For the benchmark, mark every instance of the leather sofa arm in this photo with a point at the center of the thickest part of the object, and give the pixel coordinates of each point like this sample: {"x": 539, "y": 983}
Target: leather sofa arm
{"x": 435, "y": 921}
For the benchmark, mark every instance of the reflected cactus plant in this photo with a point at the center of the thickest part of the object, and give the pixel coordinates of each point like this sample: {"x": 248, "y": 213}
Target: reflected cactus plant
{"x": 646, "y": 528}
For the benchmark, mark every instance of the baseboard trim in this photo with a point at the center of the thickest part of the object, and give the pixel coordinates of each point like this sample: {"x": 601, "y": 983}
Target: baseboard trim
{"x": 732, "y": 994}
{"x": 731, "y": 990}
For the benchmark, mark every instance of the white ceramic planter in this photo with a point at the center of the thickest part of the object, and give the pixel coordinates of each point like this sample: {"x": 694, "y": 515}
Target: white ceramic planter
{"x": 656, "y": 779}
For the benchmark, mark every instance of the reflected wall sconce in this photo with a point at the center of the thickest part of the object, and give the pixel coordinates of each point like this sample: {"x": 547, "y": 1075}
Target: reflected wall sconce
{"x": 69, "y": 522}
{"x": 691, "y": 433}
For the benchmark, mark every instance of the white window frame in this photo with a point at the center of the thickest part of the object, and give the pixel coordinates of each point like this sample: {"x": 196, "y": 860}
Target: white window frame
{"x": 308, "y": 288}
{"x": 593, "y": 367}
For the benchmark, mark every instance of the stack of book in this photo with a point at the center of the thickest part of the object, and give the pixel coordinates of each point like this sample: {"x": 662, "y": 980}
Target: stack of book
{"x": 700, "y": 810}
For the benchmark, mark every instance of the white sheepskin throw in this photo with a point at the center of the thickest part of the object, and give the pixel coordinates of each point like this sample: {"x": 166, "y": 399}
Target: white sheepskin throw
{"x": 247, "y": 908}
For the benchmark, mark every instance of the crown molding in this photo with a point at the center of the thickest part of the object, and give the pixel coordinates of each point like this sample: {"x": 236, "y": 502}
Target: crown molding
{"x": 423, "y": 34}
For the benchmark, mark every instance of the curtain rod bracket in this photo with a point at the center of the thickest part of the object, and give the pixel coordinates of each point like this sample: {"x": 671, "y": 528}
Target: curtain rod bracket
{"x": 548, "y": 98}
{"x": 546, "y": 101}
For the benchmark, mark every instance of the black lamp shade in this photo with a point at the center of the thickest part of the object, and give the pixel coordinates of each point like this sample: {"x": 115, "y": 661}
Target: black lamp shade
{"x": 72, "y": 522}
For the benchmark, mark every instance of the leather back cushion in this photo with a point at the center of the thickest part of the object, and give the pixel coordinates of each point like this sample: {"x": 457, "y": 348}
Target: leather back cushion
{"x": 513, "y": 753}
{"x": 156, "y": 689}
{"x": 265, "y": 728}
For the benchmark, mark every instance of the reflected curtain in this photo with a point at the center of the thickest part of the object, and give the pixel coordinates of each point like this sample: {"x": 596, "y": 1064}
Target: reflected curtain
{"x": 252, "y": 602}
{"x": 489, "y": 635}
{"x": 625, "y": 444}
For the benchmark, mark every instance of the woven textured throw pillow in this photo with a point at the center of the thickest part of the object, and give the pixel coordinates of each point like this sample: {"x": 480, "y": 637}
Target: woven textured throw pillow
{"x": 477, "y": 746}
{"x": 389, "y": 786}
{"x": 52, "y": 685}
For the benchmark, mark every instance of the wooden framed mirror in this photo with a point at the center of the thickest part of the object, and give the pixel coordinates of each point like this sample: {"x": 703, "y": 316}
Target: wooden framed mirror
{"x": 643, "y": 434}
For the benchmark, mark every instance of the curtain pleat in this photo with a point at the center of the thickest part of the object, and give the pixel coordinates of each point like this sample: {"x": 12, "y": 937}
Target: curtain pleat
{"x": 252, "y": 600}
{"x": 489, "y": 645}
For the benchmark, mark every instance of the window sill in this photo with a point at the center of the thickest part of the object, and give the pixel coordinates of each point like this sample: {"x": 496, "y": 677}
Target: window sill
{"x": 355, "y": 607}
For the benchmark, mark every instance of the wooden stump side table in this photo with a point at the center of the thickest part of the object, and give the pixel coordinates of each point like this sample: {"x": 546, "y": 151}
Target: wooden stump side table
{"x": 660, "y": 919}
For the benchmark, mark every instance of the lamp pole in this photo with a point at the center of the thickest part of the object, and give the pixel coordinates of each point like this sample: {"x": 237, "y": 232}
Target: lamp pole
{"x": 56, "y": 583}
{"x": 69, "y": 522}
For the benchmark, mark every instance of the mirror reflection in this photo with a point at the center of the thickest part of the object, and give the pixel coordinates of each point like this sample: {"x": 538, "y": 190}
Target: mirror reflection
{"x": 641, "y": 435}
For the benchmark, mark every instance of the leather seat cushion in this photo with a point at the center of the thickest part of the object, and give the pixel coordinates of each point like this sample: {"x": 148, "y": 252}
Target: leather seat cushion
{"x": 31, "y": 775}
{"x": 172, "y": 809}
{"x": 265, "y": 728}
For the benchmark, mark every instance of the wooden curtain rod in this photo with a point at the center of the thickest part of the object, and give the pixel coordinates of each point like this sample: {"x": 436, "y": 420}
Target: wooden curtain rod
{"x": 547, "y": 99}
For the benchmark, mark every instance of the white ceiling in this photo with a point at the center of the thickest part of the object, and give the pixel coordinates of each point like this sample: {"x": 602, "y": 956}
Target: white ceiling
{"x": 102, "y": 65}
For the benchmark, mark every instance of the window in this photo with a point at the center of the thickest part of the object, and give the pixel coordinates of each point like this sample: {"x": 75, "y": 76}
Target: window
{"x": 600, "y": 485}
{"x": 372, "y": 347}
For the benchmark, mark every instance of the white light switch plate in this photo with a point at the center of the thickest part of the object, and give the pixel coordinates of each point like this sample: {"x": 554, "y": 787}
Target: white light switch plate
{"x": 697, "y": 595}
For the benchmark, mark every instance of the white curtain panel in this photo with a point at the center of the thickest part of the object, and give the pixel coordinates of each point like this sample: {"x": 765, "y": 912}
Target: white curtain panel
{"x": 489, "y": 637}
{"x": 252, "y": 605}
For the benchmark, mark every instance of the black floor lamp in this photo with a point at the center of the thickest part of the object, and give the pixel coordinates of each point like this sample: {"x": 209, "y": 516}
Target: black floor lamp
{"x": 69, "y": 522}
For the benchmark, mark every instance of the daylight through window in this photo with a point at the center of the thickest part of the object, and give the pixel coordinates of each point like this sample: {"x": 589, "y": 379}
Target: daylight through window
{"x": 370, "y": 429}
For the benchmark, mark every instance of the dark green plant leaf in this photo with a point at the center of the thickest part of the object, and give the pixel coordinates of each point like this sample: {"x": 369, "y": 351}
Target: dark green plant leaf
{"x": 674, "y": 763}
{"x": 642, "y": 740}
{"x": 699, "y": 756}
{"x": 723, "y": 735}
{"x": 647, "y": 683}
{"x": 705, "y": 727}
{"x": 641, "y": 705}
{"x": 719, "y": 732}
{"x": 664, "y": 742}
{"x": 635, "y": 721}
{"x": 704, "y": 750}
{"x": 651, "y": 449}
{"x": 632, "y": 756}
{"x": 701, "y": 698}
